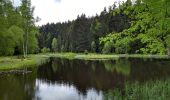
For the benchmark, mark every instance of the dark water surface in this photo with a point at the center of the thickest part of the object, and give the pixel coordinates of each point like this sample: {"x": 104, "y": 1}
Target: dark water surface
{"x": 63, "y": 79}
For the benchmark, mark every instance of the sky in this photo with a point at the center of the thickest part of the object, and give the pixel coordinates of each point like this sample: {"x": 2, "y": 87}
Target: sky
{"x": 52, "y": 11}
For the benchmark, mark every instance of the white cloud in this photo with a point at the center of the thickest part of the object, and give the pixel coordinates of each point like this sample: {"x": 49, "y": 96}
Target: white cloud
{"x": 64, "y": 10}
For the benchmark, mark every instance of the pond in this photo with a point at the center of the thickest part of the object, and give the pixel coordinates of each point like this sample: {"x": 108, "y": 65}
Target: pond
{"x": 63, "y": 79}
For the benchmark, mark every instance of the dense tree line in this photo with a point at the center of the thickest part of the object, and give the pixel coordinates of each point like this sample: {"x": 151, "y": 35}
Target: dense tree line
{"x": 126, "y": 27}
{"x": 130, "y": 27}
{"x": 17, "y": 29}
{"x": 84, "y": 32}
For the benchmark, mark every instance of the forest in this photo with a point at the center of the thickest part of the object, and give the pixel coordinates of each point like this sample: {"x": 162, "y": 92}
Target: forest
{"x": 140, "y": 27}
{"x": 121, "y": 53}
{"x": 131, "y": 27}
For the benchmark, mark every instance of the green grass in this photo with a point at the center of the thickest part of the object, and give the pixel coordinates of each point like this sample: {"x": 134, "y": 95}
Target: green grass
{"x": 8, "y": 63}
{"x": 153, "y": 90}
{"x": 90, "y": 56}
{"x": 94, "y": 56}
{"x": 143, "y": 56}
{"x": 63, "y": 55}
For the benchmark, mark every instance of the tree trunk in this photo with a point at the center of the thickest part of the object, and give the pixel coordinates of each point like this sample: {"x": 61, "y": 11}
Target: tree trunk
{"x": 26, "y": 48}
{"x": 26, "y": 45}
{"x": 23, "y": 49}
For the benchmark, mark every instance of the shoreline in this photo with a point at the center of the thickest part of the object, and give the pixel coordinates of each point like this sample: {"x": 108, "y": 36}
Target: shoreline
{"x": 94, "y": 56}
{"x": 13, "y": 62}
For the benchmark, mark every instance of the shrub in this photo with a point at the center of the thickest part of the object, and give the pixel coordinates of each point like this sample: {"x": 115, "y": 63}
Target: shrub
{"x": 107, "y": 48}
{"x": 45, "y": 50}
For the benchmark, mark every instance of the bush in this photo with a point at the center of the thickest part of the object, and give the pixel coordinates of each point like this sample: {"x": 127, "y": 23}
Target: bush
{"x": 168, "y": 44}
{"x": 45, "y": 50}
{"x": 107, "y": 48}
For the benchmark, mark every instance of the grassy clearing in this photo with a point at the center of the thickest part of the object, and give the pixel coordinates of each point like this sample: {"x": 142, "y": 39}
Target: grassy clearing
{"x": 8, "y": 63}
{"x": 154, "y": 90}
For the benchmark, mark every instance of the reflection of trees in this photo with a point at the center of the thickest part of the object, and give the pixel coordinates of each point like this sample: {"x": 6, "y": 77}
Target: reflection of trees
{"x": 18, "y": 87}
{"x": 83, "y": 75}
{"x": 120, "y": 66}
{"x": 102, "y": 75}
{"x": 149, "y": 69}
{"x": 143, "y": 71}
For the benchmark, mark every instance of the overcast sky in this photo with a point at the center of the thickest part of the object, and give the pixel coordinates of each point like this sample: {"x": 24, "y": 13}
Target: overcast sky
{"x": 64, "y": 10}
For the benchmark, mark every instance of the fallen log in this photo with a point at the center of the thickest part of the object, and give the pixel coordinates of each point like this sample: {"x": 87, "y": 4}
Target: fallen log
{"x": 14, "y": 72}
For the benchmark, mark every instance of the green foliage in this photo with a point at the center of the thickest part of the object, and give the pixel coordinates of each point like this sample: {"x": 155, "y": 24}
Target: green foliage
{"x": 7, "y": 43}
{"x": 139, "y": 27}
{"x": 30, "y": 40}
{"x": 107, "y": 48}
{"x": 120, "y": 66}
{"x": 48, "y": 40}
{"x": 168, "y": 44}
{"x": 18, "y": 32}
{"x": 168, "y": 41}
{"x": 93, "y": 46}
{"x": 33, "y": 43}
{"x": 116, "y": 43}
{"x": 153, "y": 46}
{"x": 18, "y": 35}
{"x": 77, "y": 35}
{"x": 54, "y": 45}
{"x": 145, "y": 34}
{"x": 80, "y": 37}
{"x": 45, "y": 50}
{"x": 123, "y": 45}
{"x": 62, "y": 48}
{"x": 11, "y": 39}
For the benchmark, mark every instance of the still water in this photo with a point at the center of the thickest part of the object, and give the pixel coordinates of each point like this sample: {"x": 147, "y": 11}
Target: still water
{"x": 63, "y": 79}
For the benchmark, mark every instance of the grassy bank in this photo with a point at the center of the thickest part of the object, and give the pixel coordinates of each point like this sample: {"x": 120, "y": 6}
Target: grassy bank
{"x": 63, "y": 55}
{"x": 153, "y": 90}
{"x": 8, "y": 63}
{"x": 90, "y": 56}
{"x": 93, "y": 56}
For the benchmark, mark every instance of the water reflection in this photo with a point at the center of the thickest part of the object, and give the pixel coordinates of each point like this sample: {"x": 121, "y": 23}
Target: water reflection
{"x": 84, "y": 75}
{"x": 63, "y": 79}
{"x": 59, "y": 91}
{"x": 17, "y": 87}
{"x": 119, "y": 66}
{"x": 100, "y": 76}
{"x": 149, "y": 69}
